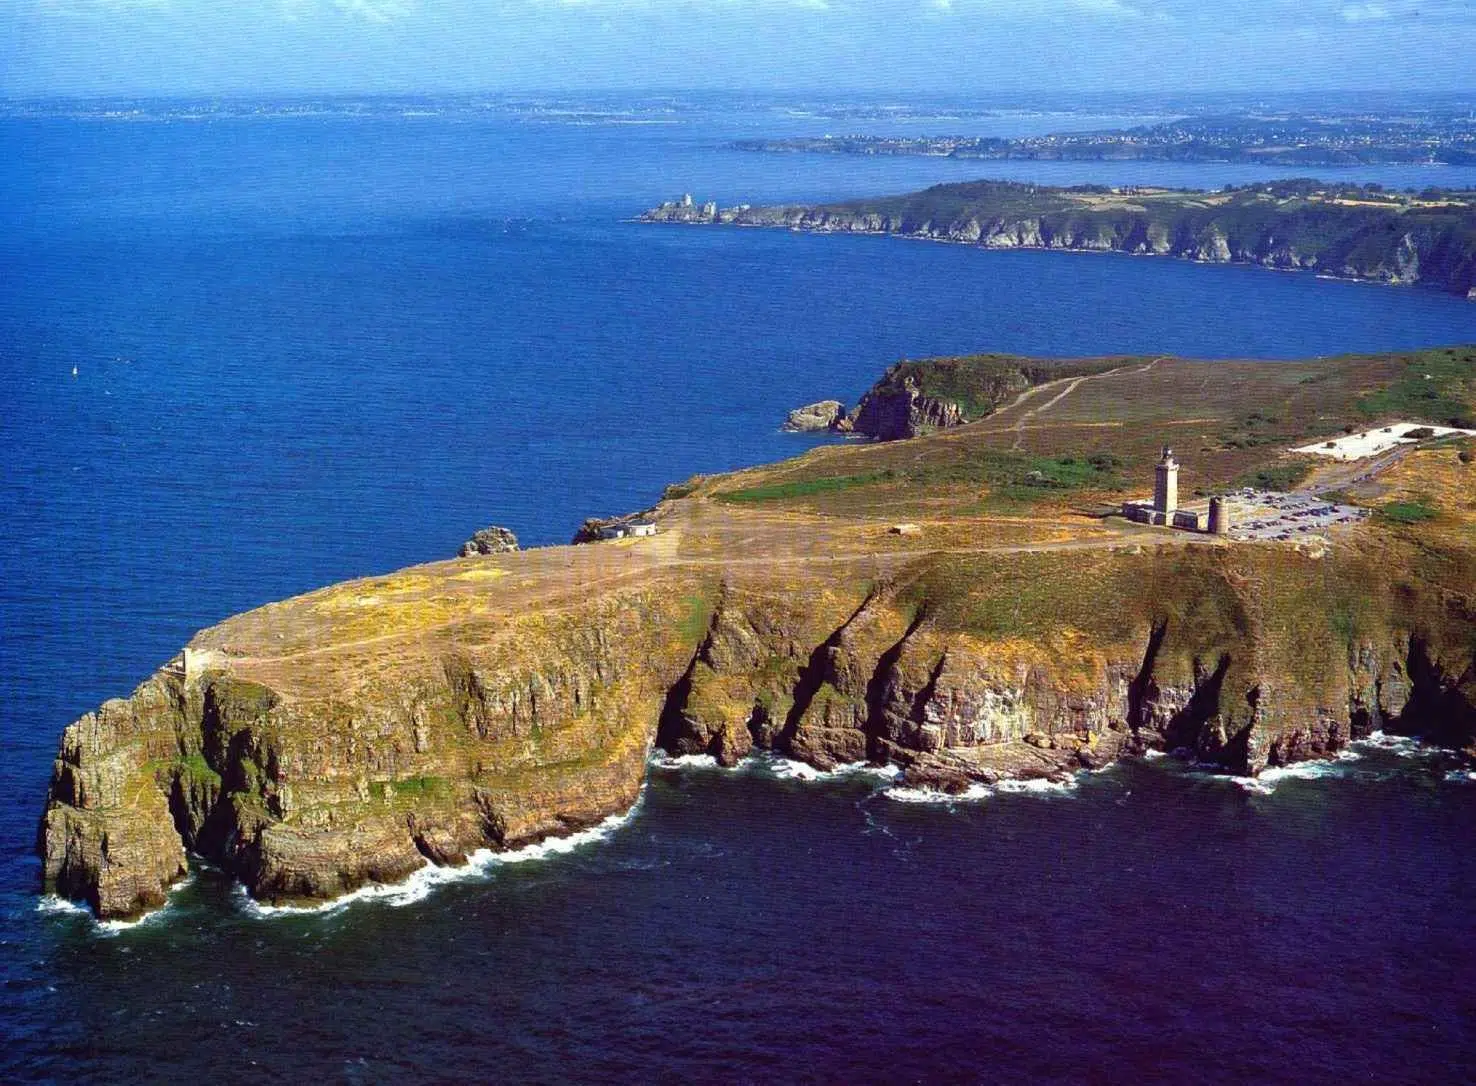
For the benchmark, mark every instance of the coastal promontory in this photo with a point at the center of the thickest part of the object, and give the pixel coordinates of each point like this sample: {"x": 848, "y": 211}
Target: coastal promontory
{"x": 1349, "y": 232}
{"x": 1019, "y": 627}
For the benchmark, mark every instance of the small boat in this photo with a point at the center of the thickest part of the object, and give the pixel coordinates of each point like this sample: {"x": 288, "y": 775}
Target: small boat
{"x": 74, "y": 371}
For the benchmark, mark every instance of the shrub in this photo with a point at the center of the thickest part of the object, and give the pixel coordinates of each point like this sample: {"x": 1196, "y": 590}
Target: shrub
{"x": 1410, "y": 512}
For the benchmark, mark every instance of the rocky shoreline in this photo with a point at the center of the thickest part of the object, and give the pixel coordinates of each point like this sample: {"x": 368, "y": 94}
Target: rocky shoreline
{"x": 307, "y": 801}
{"x": 1366, "y": 245}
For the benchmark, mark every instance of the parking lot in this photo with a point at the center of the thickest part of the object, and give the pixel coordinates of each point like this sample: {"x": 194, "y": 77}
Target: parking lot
{"x": 1262, "y": 514}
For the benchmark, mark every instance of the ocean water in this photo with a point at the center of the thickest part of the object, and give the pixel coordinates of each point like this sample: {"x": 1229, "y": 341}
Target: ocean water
{"x": 315, "y": 347}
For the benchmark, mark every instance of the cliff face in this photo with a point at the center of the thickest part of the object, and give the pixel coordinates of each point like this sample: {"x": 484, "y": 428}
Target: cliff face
{"x": 886, "y": 679}
{"x": 903, "y": 410}
{"x": 1330, "y": 237}
{"x": 499, "y": 736}
{"x": 357, "y": 733}
{"x": 495, "y": 734}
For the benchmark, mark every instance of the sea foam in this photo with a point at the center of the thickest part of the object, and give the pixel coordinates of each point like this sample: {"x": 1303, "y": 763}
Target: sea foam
{"x": 480, "y": 865}
{"x": 60, "y": 906}
{"x": 1040, "y": 788}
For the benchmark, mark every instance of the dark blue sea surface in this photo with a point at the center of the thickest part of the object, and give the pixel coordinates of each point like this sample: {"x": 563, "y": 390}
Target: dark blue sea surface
{"x": 310, "y": 348}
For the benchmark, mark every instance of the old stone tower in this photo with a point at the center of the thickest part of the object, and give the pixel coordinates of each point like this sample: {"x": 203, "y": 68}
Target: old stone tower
{"x": 1166, "y": 484}
{"x": 1219, "y": 518}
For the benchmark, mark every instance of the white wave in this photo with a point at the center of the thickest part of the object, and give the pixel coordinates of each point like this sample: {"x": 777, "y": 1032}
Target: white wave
{"x": 420, "y": 884}
{"x": 661, "y": 760}
{"x": 1461, "y": 776}
{"x": 973, "y": 793}
{"x": 1265, "y": 783}
{"x": 1040, "y": 787}
{"x": 50, "y": 903}
{"x": 60, "y": 906}
{"x": 1402, "y": 745}
{"x": 774, "y": 765}
{"x": 790, "y": 769}
{"x": 1312, "y": 770}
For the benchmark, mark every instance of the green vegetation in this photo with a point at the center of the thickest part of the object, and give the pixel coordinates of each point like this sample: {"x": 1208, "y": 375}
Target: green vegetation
{"x": 980, "y": 383}
{"x": 1408, "y": 512}
{"x": 1285, "y": 475}
{"x": 696, "y": 614}
{"x": 196, "y": 767}
{"x": 1255, "y": 430}
{"x": 1016, "y": 477}
{"x": 681, "y": 490}
{"x": 804, "y": 488}
{"x": 1437, "y": 386}
{"x": 421, "y": 786}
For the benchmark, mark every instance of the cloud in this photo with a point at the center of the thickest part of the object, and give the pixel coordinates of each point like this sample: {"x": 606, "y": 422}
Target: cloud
{"x": 1360, "y": 13}
{"x": 1036, "y": 9}
{"x": 376, "y": 11}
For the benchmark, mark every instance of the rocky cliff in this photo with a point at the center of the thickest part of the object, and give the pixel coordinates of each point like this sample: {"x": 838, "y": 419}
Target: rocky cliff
{"x": 1288, "y": 226}
{"x": 310, "y": 774}
{"x": 325, "y": 766}
{"x": 916, "y": 397}
{"x": 893, "y": 677}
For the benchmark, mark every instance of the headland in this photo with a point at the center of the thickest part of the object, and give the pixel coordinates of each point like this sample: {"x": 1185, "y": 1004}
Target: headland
{"x": 966, "y": 602}
{"x": 1346, "y": 232}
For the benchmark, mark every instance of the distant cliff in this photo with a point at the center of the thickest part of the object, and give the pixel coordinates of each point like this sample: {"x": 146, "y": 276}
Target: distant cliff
{"x": 1352, "y": 234}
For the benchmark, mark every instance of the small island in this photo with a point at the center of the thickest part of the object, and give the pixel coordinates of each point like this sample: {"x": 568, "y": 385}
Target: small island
{"x": 1346, "y": 232}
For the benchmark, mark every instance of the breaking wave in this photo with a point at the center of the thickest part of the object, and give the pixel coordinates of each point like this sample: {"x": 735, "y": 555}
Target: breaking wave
{"x": 788, "y": 769}
{"x": 60, "y": 906}
{"x": 1041, "y": 788}
{"x": 1344, "y": 765}
{"x": 776, "y": 766}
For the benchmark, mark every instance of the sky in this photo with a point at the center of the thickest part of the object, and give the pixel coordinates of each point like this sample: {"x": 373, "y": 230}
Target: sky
{"x": 969, "y": 47}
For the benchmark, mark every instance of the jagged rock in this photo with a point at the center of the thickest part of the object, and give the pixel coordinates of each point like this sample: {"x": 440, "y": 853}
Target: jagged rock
{"x": 824, "y": 415}
{"x": 492, "y": 540}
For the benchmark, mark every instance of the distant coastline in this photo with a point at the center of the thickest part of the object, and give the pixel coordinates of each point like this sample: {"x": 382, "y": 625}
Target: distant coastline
{"x": 1285, "y": 139}
{"x": 1346, "y": 232}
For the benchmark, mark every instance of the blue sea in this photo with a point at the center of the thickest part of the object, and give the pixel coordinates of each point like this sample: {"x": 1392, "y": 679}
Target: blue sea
{"x": 317, "y": 341}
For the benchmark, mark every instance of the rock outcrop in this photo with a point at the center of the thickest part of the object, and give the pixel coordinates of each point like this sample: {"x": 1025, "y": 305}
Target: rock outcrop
{"x": 915, "y": 397}
{"x": 816, "y": 417}
{"x": 492, "y": 540}
{"x": 899, "y": 409}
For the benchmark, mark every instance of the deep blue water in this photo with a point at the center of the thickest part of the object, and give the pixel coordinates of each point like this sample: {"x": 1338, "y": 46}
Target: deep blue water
{"x": 315, "y": 348}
